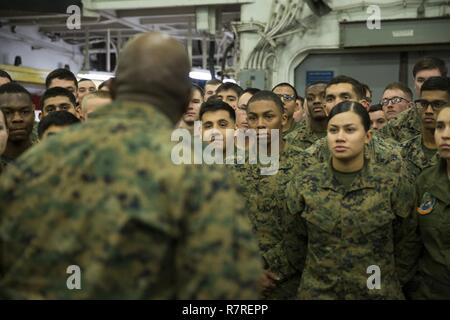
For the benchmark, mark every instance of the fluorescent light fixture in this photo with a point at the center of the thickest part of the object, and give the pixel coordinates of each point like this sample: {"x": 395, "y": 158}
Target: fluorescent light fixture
{"x": 95, "y": 75}
{"x": 200, "y": 74}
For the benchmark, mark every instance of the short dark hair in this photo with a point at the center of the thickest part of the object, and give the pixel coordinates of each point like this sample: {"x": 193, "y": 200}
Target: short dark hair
{"x": 106, "y": 83}
{"x": 198, "y": 88}
{"x": 57, "y": 118}
{"x": 215, "y": 105}
{"x": 252, "y": 91}
{"x": 14, "y": 87}
{"x": 400, "y": 86}
{"x": 356, "y": 85}
{"x": 436, "y": 83}
{"x": 60, "y": 73}
{"x": 315, "y": 83}
{"x": 428, "y": 63}
{"x": 375, "y": 108}
{"x": 84, "y": 79}
{"x": 56, "y": 92}
{"x": 266, "y": 95}
{"x": 285, "y": 84}
{"x": 213, "y": 82}
{"x": 354, "y": 106}
{"x": 230, "y": 86}
{"x": 4, "y": 74}
{"x": 213, "y": 97}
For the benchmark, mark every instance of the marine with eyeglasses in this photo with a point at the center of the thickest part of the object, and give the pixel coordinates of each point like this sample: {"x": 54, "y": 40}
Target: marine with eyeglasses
{"x": 420, "y": 151}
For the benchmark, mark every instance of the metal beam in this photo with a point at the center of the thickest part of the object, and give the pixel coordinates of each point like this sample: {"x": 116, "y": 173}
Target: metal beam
{"x": 172, "y": 11}
{"x": 126, "y": 23}
{"x": 33, "y": 17}
{"x": 37, "y": 43}
{"x": 108, "y": 51}
{"x": 182, "y": 18}
{"x": 91, "y": 26}
{"x": 141, "y": 4}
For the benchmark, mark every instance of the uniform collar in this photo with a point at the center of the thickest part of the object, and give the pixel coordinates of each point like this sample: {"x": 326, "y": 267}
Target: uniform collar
{"x": 362, "y": 180}
{"x": 416, "y": 147}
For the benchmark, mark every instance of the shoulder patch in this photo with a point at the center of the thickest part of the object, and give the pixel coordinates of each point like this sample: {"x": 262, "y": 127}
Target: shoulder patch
{"x": 427, "y": 204}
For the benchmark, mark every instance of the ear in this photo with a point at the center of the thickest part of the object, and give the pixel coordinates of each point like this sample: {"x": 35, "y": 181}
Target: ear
{"x": 284, "y": 119}
{"x": 298, "y": 106}
{"x": 365, "y": 104}
{"x": 79, "y": 112}
{"x": 368, "y": 136}
{"x": 40, "y": 115}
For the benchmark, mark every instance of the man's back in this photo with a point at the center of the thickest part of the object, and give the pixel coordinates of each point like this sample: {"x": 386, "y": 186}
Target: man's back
{"x": 106, "y": 197}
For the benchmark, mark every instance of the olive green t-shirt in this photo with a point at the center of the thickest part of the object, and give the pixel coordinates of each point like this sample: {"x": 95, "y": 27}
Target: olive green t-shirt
{"x": 429, "y": 153}
{"x": 345, "y": 178}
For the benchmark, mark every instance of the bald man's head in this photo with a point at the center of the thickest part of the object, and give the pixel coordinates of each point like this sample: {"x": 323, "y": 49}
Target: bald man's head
{"x": 154, "y": 68}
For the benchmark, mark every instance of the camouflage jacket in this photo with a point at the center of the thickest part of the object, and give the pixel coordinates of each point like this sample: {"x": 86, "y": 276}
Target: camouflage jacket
{"x": 304, "y": 137}
{"x": 346, "y": 231}
{"x": 413, "y": 153}
{"x": 294, "y": 127}
{"x": 105, "y": 196}
{"x": 433, "y": 211}
{"x": 267, "y": 213}
{"x": 378, "y": 150}
{"x": 3, "y": 163}
{"x": 34, "y": 134}
{"x": 405, "y": 127}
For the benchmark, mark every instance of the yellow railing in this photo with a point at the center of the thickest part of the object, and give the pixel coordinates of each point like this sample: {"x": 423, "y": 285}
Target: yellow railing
{"x": 25, "y": 74}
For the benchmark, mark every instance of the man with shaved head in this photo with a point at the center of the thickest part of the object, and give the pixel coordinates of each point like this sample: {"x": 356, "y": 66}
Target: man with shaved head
{"x": 100, "y": 211}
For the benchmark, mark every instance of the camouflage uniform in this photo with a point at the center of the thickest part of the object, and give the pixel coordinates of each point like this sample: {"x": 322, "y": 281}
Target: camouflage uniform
{"x": 405, "y": 127}
{"x": 304, "y": 137}
{"x": 4, "y": 162}
{"x": 294, "y": 127}
{"x": 348, "y": 230}
{"x": 378, "y": 150}
{"x": 106, "y": 196}
{"x": 34, "y": 134}
{"x": 415, "y": 158}
{"x": 433, "y": 211}
{"x": 267, "y": 213}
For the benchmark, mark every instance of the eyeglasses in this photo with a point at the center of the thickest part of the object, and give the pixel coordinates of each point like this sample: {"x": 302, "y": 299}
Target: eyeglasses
{"x": 435, "y": 105}
{"x": 393, "y": 100}
{"x": 286, "y": 97}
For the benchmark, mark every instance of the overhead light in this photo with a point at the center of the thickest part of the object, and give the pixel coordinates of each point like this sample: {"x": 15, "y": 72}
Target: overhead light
{"x": 229, "y": 80}
{"x": 200, "y": 74}
{"x": 95, "y": 75}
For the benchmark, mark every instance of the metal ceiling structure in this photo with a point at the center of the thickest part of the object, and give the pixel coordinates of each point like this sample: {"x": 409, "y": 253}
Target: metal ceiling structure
{"x": 114, "y": 22}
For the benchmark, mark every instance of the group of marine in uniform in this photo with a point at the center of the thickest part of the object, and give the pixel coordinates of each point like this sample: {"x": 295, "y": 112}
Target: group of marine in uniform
{"x": 354, "y": 211}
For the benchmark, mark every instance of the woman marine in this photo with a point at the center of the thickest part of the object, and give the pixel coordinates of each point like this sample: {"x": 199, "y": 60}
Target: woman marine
{"x": 353, "y": 218}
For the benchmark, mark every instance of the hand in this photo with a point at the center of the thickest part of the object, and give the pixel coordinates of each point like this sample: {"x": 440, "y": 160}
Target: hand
{"x": 268, "y": 281}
